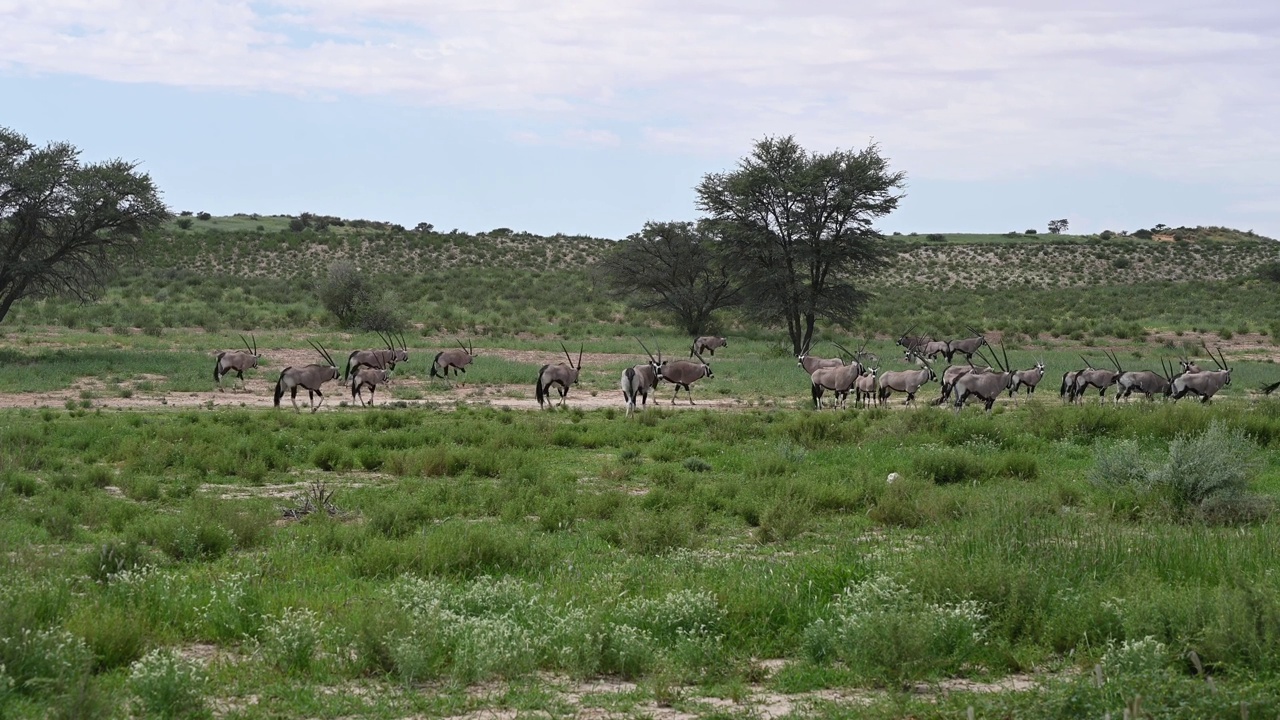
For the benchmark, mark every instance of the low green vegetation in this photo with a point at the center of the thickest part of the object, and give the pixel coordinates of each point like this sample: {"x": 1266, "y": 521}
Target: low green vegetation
{"x": 1118, "y": 556}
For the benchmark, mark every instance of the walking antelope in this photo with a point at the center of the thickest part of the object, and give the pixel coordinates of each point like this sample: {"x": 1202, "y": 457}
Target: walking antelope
{"x": 811, "y": 363}
{"x": 907, "y": 381}
{"x": 456, "y": 360}
{"x": 708, "y": 342}
{"x": 838, "y": 379}
{"x": 1205, "y": 383}
{"x": 987, "y": 386}
{"x": 639, "y": 380}
{"x": 559, "y": 374}
{"x": 367, "y": 377}
{"x": 310, "y": 377}
{"x": 1147, "y": 382}
{"x": 1097, "y": 377}
{"x": 1068, "y": 390}
{"x": 1027, "y": 378}
{"x": 236, "y": 361}
{"x": 966, "y": 346}
{"x": 953, "y": 373}
{"x": 683, "y": 373}
{"x": 933, "y": 349}
{"x": 380, "y": 359}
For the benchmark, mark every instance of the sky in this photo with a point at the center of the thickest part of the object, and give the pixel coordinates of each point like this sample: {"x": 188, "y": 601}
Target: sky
{"x": 594, "y": 116}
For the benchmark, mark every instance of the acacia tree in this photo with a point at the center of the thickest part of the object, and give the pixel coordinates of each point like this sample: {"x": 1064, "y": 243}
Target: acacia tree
{"x": 798, "y": 229}
{"x": 1057, "y": 226}
{"x": 674, "y": 266}
{"x": 64, "y": 226}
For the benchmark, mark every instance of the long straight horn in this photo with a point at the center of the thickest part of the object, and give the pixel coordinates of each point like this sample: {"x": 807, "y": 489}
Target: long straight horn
{"x": 1007, "y": 367}
{"x": 1114, "y": 360}
{"x": 581, "y": 346}
{"x": 646, "y": 350}
{"x": 403, "y": 345}
{"x": 246, "y": 345}
{"x": 1086, "y": 362}
{"x": 255, "y": 343}
{"x": 845, "y": 350}
{"x": 471, "y": 347}
{"x": 567, "y": 356}
{"x": 1223, "y": 358}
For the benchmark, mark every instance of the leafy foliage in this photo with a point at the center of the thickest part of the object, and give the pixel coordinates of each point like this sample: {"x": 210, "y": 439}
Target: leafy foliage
{"x": 63, "y": 224}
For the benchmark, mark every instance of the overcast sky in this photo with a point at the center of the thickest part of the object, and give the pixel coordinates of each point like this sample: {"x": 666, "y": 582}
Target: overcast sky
{"x": 593, "y": 116}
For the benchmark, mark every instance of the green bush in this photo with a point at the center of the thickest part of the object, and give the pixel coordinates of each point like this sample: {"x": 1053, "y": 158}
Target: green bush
{"x": 1217, "y": 462}
{"x": 165, "y": 685}
{"x": 291, "y": 641}
{"x": 944, "y": 466}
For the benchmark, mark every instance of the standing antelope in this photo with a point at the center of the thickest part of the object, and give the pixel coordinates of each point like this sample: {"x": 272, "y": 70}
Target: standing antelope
{"x": 907, "y": 381}
{"x": 683, "y": 373}
{"x": 913, "y": 342}
{"x": 310, "y": 377}
{"x": 811, "y": 363}
{"x": 1147, "y": 382}
{"x": 1097, "y": 377}
{"x": 933, "y": 349}
{"x": 456, "y": 360}
{"x": 1027, "y": 378}
{"x": 708, "y": 342}
{"x": 966, "y": 346}
{"x": 1205, "y": 383}
{"x": 865, "y": 387}
{"x": 639, "y": 380}
{"x": 559, "y": 374}
{"x": 380, "y": 359}
{"x": 367, "y": 377}
{"x": 838, "y": 379}
{"x": 236, "y": 361}
{"x": 987, "y": 386}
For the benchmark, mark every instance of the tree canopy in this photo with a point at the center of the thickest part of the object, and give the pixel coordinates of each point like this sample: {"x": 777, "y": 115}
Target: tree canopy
{"x": 65, "y": 225}
{"x": 675, "y": 266}
{"x": 799, "y": 229}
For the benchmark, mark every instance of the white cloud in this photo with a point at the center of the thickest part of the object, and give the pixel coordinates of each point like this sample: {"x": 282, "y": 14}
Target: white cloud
{"x": 951, "y": 89}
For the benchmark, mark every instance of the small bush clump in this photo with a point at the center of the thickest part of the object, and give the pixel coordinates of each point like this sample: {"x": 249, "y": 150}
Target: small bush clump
{"x": 165, "y": 685}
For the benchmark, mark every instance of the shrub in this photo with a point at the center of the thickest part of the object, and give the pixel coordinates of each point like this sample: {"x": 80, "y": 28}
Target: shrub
{"x": 290, "y": 642}
{"x": 945, "y": 466}
{"x": 1118, "y": 465}
{"x": 168, "y": 686}
{"x": 1217, "y": 462}
{"x": 184, "y": 223}
{"x": 696, "y": 464}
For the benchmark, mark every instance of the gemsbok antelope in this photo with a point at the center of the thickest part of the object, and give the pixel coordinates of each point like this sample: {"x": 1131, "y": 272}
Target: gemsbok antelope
{"x": 810, "y": 363}
{"x": 236, "y": 361}
{"x": 1205, "y": 383}
{"x": 640, "y": 380}
{"x": 965, "y": 346}
{"x": 1147, "y": 382}
{"x": 683, "y": 374}
{"x": 708, "y": 342}
{"x": 933, "y": 349}
{"x": 986, "y": 386}
{"x": 456, "y": 360}
{"x": 561, "y": 375}
{"x": 865, "y": 388}
{"x": 913, "y": 342}
{"x": 367, "y": 377}
{"x": 905, "y": 381}
{"x": 1029, "y": 379}
{"x": 953, "y": 373}
{"x": 381, "y": 359}
{"x": 310, "y": 377}
{"x": 839, "y": 380}
{"x": 1097, "y": 377}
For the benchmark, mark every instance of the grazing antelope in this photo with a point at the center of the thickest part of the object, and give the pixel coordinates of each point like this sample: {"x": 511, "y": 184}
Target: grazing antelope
{"x": 683, "y": 373}
{"x": 236, "y": 361}
{"x": 1205, "y": 383}
{"x": 987, "y": 386}
{"x": 1097, "y": 377}
{"x": 560, "y": 374}
{"x": 1027, "y": 378}
{"x": 1147, "y": 382}
{"x": 708, "y": 342}
{"x": 640, "y": 380}
{"x": 367, "y": 377}
{"x": 907, "y": 381}
{"x": 865, "y": 387}
{"x": 810, "y": 363}
{"x": 380, "y": 359}
{"x": 310, "y": 377}
{"x": 966, "y": 346}
{"x": 456, "y": 360}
